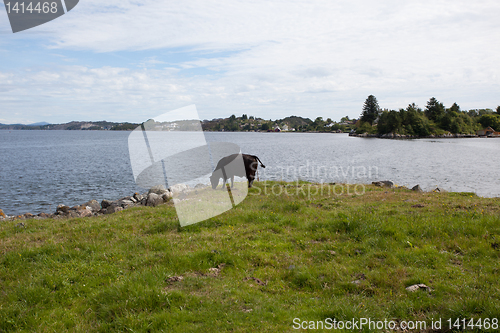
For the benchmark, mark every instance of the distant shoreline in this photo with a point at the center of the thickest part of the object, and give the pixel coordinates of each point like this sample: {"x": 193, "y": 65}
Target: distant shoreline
{"x": 392, "y": 136}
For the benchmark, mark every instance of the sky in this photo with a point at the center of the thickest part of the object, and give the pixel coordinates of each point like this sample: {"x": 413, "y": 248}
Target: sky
{"x": 132, "y": 60}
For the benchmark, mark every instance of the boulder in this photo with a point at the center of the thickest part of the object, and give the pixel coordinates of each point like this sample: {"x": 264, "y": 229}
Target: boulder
{"x": 94, "y": 205}
{"x": 158, "y": 189}
{"x": 45, "y": 215}
{"x": 113, "y": 209}
{"x": 125, "y": 203}
{"x": 178, "y": 188}
{"x": 417, "y": 188}
{"x": 154, "y": 200}
{"x": 167, "y": 196}
{"x": 106, "y": 203}
{"x": 84, "y": 212}
{"x": 384, "y": 183}
{"x": 138, "y": 197}
{"x": 62, "y": 209}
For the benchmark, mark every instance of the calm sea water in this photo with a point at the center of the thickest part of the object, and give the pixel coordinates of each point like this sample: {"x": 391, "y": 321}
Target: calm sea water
{"x": 41, "y": 169}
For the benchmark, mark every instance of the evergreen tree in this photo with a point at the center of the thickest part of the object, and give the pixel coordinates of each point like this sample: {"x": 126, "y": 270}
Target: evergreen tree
{"x": 434, "y": 110}
{"x": 371, "y": 110}
{"x": 498, "y": 109}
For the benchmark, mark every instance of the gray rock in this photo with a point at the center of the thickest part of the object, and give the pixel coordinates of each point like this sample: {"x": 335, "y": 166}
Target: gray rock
{"x": 62, "y": 209}
{"x": 154, "y": 200}
{"x": 166, "y": 196}
{"x": 384, "y": 183}
{"x": 94, "y": 205}
{"x": 419, "y": 286}
{"x": 106, "y": 203}
{"x": 138, "y": 197}
{"x": 113, "y": 209}
{"x": 84, "y": 212}
{"x": 417, "y": 188}
{"x": 158, "y": 189}
{"x": 125, "y": 203}
{"x": 178, "y": 188}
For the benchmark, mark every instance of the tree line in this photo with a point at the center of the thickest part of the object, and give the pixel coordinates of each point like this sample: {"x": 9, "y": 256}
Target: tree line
{"x": 435, "y": 119}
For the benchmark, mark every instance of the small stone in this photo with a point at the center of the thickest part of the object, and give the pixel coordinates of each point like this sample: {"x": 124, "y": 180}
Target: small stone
{"x": 417, "y": 188}
{"x": 2, "y": 214}
{"x": 384, "y": 183}
{"x": 419, "y": 286}
{"x": 20, "y": 225}
{"x": 175, "y": 279}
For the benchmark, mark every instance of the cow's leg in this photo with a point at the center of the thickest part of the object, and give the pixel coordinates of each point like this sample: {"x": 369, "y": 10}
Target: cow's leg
{"x": 232, "y": 181}
{"x": 224, "y": 181}
{"x": 251, "y": 177}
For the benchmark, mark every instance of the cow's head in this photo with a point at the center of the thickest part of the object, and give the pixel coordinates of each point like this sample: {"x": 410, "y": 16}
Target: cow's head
{"x": 214, "y": 178}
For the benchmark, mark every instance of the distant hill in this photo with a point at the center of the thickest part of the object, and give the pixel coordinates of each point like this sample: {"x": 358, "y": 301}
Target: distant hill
{"x": 39, "y": 124}
{"x": 73, "y": 125}
{"x": 295, "y": 121}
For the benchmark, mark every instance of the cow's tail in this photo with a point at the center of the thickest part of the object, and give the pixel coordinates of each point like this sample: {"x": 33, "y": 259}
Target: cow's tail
{"x": 258, "y": 159}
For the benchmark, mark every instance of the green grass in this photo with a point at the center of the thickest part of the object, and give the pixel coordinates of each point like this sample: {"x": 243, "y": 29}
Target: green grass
{"x": 111, "y": 273}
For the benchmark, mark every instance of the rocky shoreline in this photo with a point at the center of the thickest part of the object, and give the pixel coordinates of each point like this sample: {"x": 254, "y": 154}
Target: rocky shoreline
{"x": 403, "y": 136}
{"x": 157, "y": 195}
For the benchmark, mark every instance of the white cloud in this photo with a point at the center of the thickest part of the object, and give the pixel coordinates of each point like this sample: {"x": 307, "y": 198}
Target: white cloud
{"x": 278, "y": 57}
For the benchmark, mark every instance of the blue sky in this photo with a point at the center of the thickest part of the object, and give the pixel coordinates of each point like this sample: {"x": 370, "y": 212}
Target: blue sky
{"x": 128, "y": 60}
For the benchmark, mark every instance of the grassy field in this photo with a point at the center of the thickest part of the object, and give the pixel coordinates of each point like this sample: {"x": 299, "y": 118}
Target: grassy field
{"x": 256, "y": 268}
